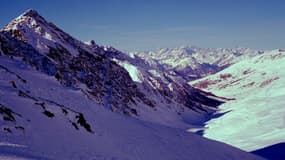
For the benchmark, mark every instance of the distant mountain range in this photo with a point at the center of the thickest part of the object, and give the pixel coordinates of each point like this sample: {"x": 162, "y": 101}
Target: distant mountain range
{"x": 193, "y": 62}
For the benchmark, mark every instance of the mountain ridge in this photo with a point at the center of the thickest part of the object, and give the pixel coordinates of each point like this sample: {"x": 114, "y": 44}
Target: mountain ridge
{"x": 192, "y": 62}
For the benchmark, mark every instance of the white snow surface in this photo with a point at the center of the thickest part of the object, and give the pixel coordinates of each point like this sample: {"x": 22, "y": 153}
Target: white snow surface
{"x": 114, "y": 136}
{"x": 255, "y": 119}
{"x": 132, "y": 70}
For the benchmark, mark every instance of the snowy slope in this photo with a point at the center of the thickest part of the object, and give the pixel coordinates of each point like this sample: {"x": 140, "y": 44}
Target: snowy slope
{"x": 47, "y": 120}
{"x": 255, "y": 118}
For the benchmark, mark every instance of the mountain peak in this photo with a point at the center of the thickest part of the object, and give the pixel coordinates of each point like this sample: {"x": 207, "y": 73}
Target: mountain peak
{"x": 35, "y": 30}
{"x": 91, "y": 43}
{"x": 31, "y": 13}
{"x": 30, "y": 17}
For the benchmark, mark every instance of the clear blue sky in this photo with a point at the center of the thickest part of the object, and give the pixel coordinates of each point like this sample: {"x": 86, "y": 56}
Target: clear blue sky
{"x": 149, "y": 24}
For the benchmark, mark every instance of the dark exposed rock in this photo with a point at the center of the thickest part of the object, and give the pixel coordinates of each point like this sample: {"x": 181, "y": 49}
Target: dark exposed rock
{"x": 7, "y": 113}
{"x": 64, "y": 111}
{"x": 42, "y": 104}
{"x": 82, "y": 121}
{"x": 25, "y": 95}
{"x": 13, "y": 84}
{"x": 75, "y": 125}
{"x": 20, "y": 128}
{"x": 134, "y": 111}
{"x": 7, "y": 130}
{"x": 48, "y": 113}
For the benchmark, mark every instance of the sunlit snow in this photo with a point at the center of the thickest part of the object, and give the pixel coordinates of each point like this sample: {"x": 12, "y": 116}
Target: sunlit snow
{"x": 256, "y": 118}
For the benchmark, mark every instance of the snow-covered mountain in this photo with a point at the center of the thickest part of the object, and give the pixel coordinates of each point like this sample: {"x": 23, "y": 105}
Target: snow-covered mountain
{"x": 57, "y": 95}
{"x": 69, "y": 60}
{"x": 255, "y": 116}
{"x": 193, "y": 62}
{"x": 117, "y": 81}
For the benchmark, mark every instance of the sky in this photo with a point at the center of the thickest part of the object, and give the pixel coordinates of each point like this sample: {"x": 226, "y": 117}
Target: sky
{"x": 142, "y": 25}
